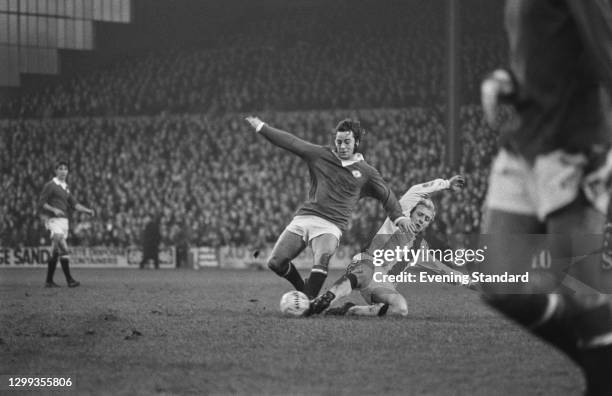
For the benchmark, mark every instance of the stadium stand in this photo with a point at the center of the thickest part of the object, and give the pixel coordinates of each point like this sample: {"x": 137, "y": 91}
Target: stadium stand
{"x": 213, "y": 174}
{"x": 163, "y": 132}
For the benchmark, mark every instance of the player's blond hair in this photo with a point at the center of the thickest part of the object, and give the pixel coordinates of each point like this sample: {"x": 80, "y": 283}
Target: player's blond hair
{"x": 428, "y": 203}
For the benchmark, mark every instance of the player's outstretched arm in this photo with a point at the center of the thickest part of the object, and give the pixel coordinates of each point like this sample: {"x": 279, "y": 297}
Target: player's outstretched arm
{"x": 282, "y": 138}
{"x": 457, "y": 183}
{"x": 379, "y": 189}
{"x": 496, "y": 87}
{"x": 425, "y": 190}
{"x": 594, "y": 23}
{"x": 84, "y": 209}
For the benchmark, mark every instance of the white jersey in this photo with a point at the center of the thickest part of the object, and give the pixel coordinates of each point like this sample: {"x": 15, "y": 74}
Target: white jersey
{"x": 388, "y": 236}
{"x": 411, "y": 198}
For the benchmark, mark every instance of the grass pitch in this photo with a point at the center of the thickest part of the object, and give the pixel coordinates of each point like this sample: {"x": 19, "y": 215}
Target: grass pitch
{"x": 220, "y": 332}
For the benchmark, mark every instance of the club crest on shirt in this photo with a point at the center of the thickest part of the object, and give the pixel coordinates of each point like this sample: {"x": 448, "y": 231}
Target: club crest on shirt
{"x": 356, "y": 174}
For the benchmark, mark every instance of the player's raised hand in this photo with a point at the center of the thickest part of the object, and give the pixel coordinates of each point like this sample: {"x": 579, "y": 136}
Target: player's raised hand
{"x": 497, "y": 85}
{"x": 457, "y": 182}
{"x": 58, "y": 212}
{"x": 255, "y": 122}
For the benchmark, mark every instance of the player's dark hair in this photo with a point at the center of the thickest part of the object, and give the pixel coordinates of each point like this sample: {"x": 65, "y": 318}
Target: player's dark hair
{"x": 348, "y": 125}
{"x": 61, "y": 162}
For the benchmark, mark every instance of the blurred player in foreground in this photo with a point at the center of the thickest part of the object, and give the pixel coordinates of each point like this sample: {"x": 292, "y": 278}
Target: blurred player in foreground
{"x": 545, "y": 178}
{"x": 339, "y": 178}
{"x": 55, "y": 201}
{"x": 382, "y": 297}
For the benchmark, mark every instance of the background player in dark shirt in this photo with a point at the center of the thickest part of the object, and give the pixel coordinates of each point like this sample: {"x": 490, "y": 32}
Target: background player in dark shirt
{"x": 339, "y": 178}
{"x": 151, "y": 238}
{"x": 558, "y": 85}
{"x": 55, "y": 202}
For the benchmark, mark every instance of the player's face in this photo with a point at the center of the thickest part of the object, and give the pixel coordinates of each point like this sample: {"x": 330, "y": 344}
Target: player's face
{"x": 421, "y": 217}
{"x": 345, "y": 144}
{"x": 61, "y": 172}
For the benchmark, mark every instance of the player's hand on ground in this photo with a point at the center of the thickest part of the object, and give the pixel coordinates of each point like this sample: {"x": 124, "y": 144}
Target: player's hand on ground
{"x": 255, "y": 122}
{"x": 457, "y": 182}
{"x": 496, "y": 85}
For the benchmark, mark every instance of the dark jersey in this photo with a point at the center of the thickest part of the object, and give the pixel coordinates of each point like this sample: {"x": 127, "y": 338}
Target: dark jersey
{"x": 561, "y": 57}
{"x": 58, "y": 197}
{"x": 334, "y": 188}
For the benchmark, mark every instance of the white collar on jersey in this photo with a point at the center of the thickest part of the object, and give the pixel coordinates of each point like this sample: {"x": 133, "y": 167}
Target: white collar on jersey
{"x": 60, "y": 183}
{"x": 356, "y": 158}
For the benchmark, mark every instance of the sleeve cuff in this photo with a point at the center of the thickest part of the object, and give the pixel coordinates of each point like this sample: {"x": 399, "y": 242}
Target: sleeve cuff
{"x": 259, "y": 127}
{"x": 447, "y": 184}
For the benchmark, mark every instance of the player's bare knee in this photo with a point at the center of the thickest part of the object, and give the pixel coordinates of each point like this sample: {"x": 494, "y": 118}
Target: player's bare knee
{"x": 398, "y": 306}
{"x": 323, "y": 259}
{"x": 279, "y": 265}
{"x": 57, "y": 244}
{"x": 401, "y": 310}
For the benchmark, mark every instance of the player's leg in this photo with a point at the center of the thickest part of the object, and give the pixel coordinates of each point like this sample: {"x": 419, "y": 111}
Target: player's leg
{"x": 386, "y": 302}
{"x": 510, "y": 217}
{"x": 65, "y": 263}
{"x": 288, "y": 246}
{"x": 58, "y": 229}
{"x": 357, "y": 275}
{"x": 583, "y": 224}
{"x": 63, "y": 253}
{"x": 52, "y": 262}
{"x": 556, "y": 315}
{"x": 156, "y": 259}
{"x": 323, "y": 248}
{"x": 589, "y": 313}
{"x": 535, "y": 311}
{"x": 62, "y": 244}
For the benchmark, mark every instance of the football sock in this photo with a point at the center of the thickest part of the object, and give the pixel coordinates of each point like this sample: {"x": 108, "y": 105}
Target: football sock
{"x": 51, "y": 265}
{"x": 596, "y": 363}
{"x": 592, "y": 320}
{"x": 315, "y": 283}
{"x": 565, "y": 321}
{"x": 543, "y": 314}
{"x": 66, "y": 269}
{"x": 557, "y": 329}
{"x": 295, "y": 278}
{"x": 353, "y": 279}
{"x": 383, "y": 310}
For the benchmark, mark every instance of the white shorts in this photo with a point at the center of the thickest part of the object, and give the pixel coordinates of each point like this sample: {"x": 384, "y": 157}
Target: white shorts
{"x": 310, "y": 227}
{"x": 57, "y": 226}
{"x": 552, "y": 182}
{"x": 363, "y": 269}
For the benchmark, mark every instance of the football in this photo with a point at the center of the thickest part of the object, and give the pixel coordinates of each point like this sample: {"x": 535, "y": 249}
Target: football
{"x": 294, "y": 303}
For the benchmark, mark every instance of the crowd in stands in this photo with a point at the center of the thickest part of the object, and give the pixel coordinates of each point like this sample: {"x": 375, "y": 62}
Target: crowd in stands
{"x": 214, "y": 182}
{"x": 320, "y": 58}
{"x": 163, "y": 133}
